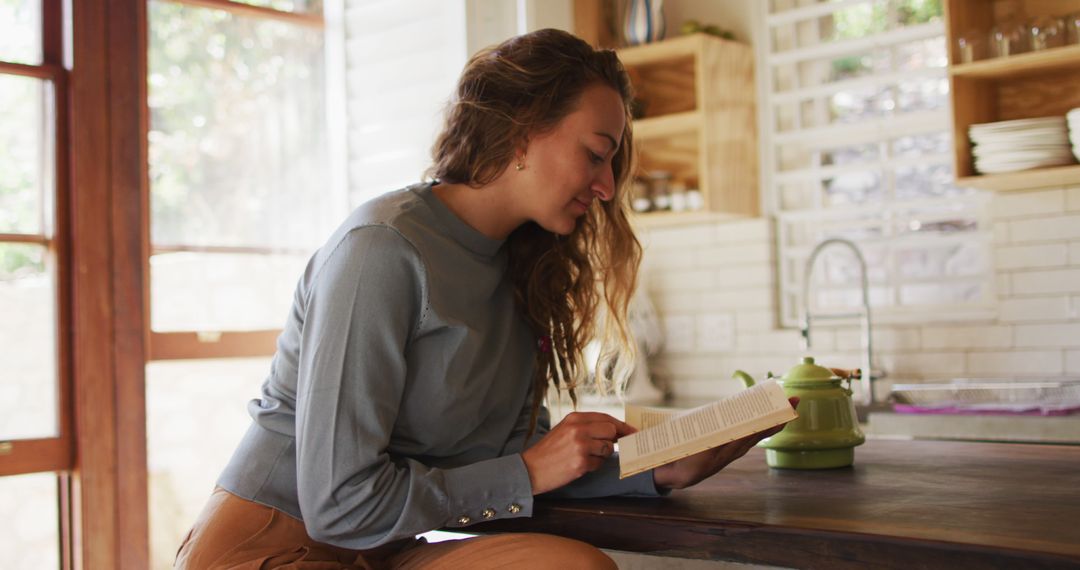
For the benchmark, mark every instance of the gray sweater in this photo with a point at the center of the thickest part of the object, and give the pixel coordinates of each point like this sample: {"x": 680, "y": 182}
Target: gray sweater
{"x": 399, "y": 397}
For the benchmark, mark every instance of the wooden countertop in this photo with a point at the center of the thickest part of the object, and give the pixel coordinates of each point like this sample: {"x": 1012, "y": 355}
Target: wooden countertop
{"x": 903, "y": 504}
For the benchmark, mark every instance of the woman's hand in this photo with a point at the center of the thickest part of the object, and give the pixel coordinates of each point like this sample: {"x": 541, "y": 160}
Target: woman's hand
{"x": 693, "y": 469}
{"x": 578, "y": 445}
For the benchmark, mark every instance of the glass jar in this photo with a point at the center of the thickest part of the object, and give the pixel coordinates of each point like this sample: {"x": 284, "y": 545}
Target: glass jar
{"x": 970, "y": 46}
{"x": 1046, "y": 32}
{"x": 1008, "y": 38}
{"x": 1072, "y": 28}
{"x": 639, "y": 194}
{"x": 661, "y": 189}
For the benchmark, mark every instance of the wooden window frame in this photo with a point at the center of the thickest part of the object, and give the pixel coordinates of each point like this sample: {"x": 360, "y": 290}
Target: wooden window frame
{"x": 198, "y": 345}
{"x": 101, "y": 246}
{"x": 52, "y": 453}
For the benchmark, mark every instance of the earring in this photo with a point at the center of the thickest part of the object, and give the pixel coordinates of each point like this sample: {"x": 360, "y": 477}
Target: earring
{"x": 520, "y": 164}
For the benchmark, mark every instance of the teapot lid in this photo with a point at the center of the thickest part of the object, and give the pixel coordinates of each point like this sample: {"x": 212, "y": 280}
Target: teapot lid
{"x": 809, "y": 372}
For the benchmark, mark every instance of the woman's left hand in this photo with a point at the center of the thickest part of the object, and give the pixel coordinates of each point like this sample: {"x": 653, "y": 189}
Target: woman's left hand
{"x": 695, "y": 468}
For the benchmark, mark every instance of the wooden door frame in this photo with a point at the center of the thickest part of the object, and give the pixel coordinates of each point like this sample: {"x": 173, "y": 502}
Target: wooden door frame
{"x": 109, "y": 244}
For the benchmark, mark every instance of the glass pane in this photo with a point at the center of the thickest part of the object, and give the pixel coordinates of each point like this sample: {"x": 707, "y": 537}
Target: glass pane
{"x": 28, "y": 396}
{"x": 959, "y": 259}
{"x": 238, "y": 144}
{"x": 216, "y": 292}
{"x": 922, "y": 145}
{"x": 195, "y": 415}
{"x": 857, "y": 187}
{"x": 33, "y": 542}
{"x": 925, "y": 181}
{"x": 942, "y": 293}
{"x": 26, "y": 143}
{"x": 20, "y": 32}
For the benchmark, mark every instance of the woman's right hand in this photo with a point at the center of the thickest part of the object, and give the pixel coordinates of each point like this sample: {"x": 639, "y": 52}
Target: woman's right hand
{"x": 577, "y": 445}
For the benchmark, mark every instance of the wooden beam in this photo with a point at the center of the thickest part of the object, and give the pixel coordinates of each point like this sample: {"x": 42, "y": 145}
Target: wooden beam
{"x": 108, "y": 139}
{"x": 200, "y": 345}
{"x": 34, "y": 456}
{"x": 309, "y": 19}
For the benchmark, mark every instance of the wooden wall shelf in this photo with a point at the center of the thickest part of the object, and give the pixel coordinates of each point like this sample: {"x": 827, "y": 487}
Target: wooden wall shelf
{"x": 1035, "y": 178}
{"x": 697, "y": 100}
{"x": 1021, "y": 65}
{"x": 1027, "y": 85}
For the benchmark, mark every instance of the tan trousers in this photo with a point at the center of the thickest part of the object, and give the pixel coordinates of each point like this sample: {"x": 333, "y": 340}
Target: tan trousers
{"x": 237, "y": 534}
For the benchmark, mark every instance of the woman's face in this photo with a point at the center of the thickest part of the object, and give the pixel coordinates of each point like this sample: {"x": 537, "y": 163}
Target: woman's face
{"x": 570, "y": 166}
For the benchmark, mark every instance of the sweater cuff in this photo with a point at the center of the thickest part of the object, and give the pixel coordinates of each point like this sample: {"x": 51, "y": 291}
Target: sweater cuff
{"x": 488, "y": 490}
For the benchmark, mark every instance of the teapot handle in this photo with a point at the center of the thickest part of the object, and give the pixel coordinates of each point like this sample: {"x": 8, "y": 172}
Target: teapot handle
{"x": 744, "y": 377}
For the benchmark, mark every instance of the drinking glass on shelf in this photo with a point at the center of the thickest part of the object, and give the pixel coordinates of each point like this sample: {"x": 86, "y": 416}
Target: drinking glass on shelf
{"x": 1008, "y": 38}
{"x": 1072, "y": 28}
{"x": 1046, "y": 32}
{"x": 970, "y": 46}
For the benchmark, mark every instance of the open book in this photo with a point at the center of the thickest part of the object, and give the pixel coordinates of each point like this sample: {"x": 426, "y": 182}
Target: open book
{"x": 668, "y": 435}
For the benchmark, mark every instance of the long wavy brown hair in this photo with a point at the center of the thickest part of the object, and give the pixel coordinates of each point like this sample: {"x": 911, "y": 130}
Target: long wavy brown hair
{"x": 521, "y": 88}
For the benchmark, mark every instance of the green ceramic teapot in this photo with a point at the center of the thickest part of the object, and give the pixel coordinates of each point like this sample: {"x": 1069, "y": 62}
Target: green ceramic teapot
{"x": 826, "y": 432}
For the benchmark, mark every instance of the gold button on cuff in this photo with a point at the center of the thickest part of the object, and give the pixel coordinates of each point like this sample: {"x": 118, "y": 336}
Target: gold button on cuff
{"x": 514, "y": 508}
{"x": 488, "y": 513}
{"x": 464, "y": 519}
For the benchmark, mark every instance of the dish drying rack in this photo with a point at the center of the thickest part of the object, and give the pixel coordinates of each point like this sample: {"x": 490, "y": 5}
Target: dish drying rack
{"x": 982, "y": 396}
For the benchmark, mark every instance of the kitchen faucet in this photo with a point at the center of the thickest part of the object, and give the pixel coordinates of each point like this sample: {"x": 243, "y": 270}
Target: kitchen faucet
{"x": 864, "y": 315}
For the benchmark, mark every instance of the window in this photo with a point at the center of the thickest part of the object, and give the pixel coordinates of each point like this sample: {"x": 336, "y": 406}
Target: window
{"x": 35, "y": 436}
{"x": 856, "y": 128}
{"x": 240, "y": 196}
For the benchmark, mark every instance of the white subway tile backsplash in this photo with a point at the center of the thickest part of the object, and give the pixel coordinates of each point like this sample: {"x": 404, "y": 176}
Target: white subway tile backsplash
{"x": 1043, "y": 282}
{"x": 705, "y": 389}
{"x": 743, "y": 277}
{"x": 922, "y": 364}
{"x": 1072, "y": 198}
{"x": 1072, "y": 362}
{"x": 706, "y": 365}
{"x": 1016, "y": 363}
{"x": 896, "y": 339}
{"x": 716, "y": 332}
{"x": 681, "y": 280}
{"x": 777, "y": 342}
{"x": 1034, "y": 309}
{"x": 983, "y": 336}
{"x": 1051, "y": 228}
{"x": 721, "y": 256}
{"x": 1074, "y": 253}
{"x": 755, "y": 230}
{"x": 849, "y": 338}
{"x": 753, "y": 298}
{"x": 669, "y": 302}
{"x": 669, "y": 259}
{"x": 1018, "y": 204}
{"x": 752, "y": 320}
{"x": 1003, "y": 284}
{"x": 1045, "y": 336}
{"x": 1001, "y": 232}
{"x": 1032, "y": 256}
{"x": 685, "y": 238}
{"x": 678, "y": 334}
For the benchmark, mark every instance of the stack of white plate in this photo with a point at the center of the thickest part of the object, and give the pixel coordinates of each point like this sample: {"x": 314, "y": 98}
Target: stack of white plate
{"x": 1008, "y": 146}
{"x": 1073, "y": 117}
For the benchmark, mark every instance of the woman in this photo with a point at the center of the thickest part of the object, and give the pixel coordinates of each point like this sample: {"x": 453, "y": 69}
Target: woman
{"x": 406, "y": 392}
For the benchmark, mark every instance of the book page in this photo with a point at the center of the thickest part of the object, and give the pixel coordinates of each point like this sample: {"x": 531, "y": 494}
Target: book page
{"x": 750, "y": 411}
{"x": 642, "y": 417}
